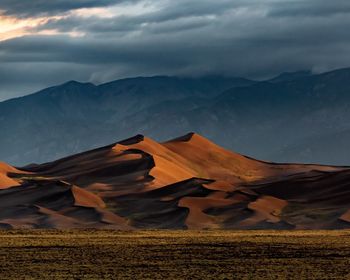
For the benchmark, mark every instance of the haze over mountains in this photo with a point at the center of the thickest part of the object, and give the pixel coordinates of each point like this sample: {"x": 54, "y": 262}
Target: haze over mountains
{"x": 186, "y": 183}
{"x": 295, "y": 117}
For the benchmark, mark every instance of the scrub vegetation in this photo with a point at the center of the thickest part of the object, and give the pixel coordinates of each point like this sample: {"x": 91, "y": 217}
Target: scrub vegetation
{"x": 107, "y": 254}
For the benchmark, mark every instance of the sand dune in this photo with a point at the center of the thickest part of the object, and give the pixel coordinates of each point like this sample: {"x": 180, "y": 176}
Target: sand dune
{"x": 185, "y": 183}
{"x": 45, "y": 203}
{"x": 5, "y": 180}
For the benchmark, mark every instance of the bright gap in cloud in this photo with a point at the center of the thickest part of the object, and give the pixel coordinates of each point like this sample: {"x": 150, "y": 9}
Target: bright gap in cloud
{"x": 12, "y": 27}
{"x": 122, "y": 9}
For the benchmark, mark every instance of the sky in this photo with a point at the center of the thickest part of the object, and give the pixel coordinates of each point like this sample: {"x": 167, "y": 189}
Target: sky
{"x": 44, "y": 43}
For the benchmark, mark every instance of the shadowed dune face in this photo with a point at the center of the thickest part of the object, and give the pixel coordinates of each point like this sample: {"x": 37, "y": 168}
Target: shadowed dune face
{"x": 47, "y": 204}
{"x": 185, "y": 183}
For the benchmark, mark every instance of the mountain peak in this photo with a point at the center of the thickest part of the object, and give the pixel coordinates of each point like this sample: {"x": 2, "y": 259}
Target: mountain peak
{"x": 75, "y": 83}
{"x": 72, "y": 82}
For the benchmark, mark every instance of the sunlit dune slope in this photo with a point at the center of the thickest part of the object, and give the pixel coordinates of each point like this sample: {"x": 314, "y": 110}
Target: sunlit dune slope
{"x": 5, "y": 180}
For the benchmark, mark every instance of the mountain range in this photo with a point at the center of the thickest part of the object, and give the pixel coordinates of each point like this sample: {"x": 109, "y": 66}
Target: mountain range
{"x": 295, "y": 117}
{"x": 185, "y": 183}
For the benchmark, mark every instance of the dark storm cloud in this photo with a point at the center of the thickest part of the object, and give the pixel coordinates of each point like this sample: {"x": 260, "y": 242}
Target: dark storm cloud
{"x": 39, "y": 7}
{"x": 249, "y": 38}
{"x": 316, "y": 8}
{"x": 182, "y": 13}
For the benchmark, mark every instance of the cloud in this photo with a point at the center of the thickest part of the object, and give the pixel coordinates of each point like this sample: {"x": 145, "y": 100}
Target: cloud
{"x": 40, "y": 7}
{"x": 251, "y": 38}
{"x": 314, "y": 8}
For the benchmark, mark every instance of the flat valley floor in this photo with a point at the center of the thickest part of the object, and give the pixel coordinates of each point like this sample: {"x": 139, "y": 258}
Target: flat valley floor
{"x": 93, "y": 254}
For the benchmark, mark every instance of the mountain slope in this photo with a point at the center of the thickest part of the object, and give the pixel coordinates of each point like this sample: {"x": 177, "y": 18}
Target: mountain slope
{"x": 290, "y": 76}
{"x": 283, "y": 120}
{"x": 185, "y": 183}
{"x": 265, "y": 119}
{"x": 73, "y": 117}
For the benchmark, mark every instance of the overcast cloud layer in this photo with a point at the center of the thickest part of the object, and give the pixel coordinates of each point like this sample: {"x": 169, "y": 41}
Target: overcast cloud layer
{"x": 49, "y": 42}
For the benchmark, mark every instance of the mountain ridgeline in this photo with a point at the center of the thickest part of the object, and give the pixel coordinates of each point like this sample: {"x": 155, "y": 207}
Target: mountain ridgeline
{"x": 295, "y": 117}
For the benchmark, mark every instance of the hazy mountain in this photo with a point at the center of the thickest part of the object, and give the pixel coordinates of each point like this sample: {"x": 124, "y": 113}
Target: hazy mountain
{"x": 72, "y": 117}
{"x": 300, "y": 119}
{"x": 266, "y": 120}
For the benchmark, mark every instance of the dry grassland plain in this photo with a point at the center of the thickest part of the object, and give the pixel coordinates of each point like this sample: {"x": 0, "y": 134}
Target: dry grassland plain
{"x": 104, "y": 254}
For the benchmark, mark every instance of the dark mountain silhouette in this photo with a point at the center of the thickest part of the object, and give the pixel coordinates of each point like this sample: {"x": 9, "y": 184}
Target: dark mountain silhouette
{"x": 75, "y": 116}
{"x": 296, "y": 117}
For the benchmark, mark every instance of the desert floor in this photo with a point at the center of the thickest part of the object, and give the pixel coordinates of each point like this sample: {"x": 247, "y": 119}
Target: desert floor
{"x": 92, "y": 254}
